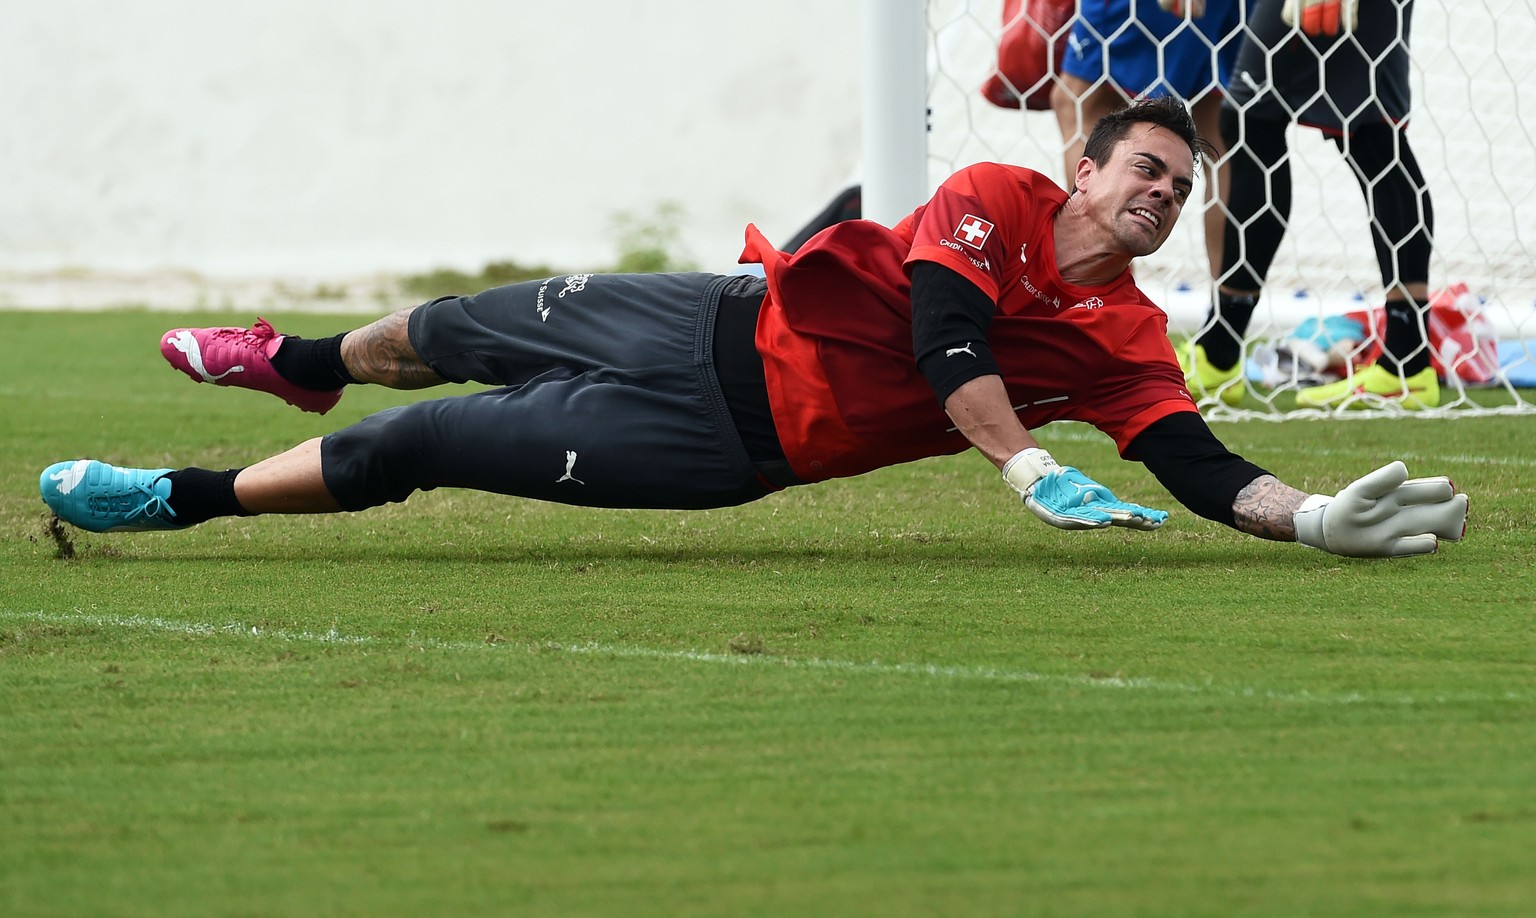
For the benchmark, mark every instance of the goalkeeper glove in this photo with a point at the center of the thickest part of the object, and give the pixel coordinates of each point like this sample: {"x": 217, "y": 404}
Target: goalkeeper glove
{"x": 1190, "y": 9}
{"x": 1321, "y": 17}
{"x": 1384, "y": 515}
{"x": 1068, "y": 499}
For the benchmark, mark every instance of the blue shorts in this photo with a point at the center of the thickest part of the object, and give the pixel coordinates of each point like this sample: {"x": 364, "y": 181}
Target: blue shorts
{"x": 1148, "y": 52}
{"x": 607, "y": 396}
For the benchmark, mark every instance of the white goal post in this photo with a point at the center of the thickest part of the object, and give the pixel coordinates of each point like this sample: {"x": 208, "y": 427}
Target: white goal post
{"x": 1473, "y": 127}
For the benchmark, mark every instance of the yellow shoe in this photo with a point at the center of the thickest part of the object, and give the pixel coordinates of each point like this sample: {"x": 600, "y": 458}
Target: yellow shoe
{"x": 1205, "y": 380}
{"x": 1374, "y": 386}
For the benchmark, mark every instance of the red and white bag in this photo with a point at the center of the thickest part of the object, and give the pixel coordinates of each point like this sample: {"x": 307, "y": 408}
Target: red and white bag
{"x": 1462, "y": 342}
{"x": 1028, "y": 54}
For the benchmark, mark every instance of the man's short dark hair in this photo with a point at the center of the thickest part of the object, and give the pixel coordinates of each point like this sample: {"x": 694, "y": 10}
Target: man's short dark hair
{"x": 1164, "y": 112}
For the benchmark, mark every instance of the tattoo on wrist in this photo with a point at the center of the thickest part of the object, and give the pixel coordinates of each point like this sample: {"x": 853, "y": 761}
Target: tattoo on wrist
{"x": 1267, "y": 508}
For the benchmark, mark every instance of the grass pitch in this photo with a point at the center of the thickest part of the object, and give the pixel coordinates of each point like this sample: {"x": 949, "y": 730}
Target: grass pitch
{"x": 898, "y": 695}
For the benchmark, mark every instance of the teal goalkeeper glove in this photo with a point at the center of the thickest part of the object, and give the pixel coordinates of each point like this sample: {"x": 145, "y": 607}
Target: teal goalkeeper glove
{"x": 1321, "y": 17}
{"x": 1068, "y": 499}
{"x": 1384, "y": 515}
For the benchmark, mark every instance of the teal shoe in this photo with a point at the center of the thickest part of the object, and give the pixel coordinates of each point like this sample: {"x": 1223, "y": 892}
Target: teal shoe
{"x": 98, "y": 497}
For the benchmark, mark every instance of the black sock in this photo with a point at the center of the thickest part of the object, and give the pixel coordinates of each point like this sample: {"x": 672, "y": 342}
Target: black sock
{"x": 312, "y": 363}
{"x": 1223, "y": 340}
{"x": 198, "y": 495}
{"x": 1404, "y": 350}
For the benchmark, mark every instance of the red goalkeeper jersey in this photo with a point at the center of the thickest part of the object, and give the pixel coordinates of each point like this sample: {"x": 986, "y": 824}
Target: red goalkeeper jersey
{"x": 835, "y": 330}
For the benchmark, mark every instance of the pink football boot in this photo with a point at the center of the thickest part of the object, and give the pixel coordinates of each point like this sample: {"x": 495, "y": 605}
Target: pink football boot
{"x": 240, "y": 357}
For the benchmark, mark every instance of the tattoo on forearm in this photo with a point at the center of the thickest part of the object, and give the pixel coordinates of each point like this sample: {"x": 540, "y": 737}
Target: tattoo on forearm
{"x": 381, "y": 353}
{"x": 1266, "y": 508}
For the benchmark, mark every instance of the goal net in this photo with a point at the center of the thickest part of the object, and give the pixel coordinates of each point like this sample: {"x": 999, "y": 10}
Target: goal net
{"x": 1473, "y": 129}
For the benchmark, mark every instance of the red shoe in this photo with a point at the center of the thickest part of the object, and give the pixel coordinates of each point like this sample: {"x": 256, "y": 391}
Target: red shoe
{"x": 240, "y": 357}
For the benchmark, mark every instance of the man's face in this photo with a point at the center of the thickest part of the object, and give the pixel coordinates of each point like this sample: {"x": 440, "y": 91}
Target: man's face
{"x": 1137, "y": 195}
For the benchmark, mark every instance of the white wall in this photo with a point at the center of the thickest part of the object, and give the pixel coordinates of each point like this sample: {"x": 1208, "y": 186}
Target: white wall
{"x": 326, "y": 138}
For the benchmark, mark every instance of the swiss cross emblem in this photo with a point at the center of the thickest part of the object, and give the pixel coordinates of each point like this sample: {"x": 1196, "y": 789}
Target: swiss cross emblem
{"x": 973, "y": 231}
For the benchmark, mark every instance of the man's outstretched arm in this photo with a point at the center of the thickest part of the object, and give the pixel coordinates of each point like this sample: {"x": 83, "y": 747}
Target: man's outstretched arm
{"x": 950, "y": 317}
{"x": 1383, "y": 514}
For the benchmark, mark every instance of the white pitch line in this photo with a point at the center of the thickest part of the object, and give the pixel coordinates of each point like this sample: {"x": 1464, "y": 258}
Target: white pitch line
{"x": 193, "y": 629}
{"x": 871, "y": 667}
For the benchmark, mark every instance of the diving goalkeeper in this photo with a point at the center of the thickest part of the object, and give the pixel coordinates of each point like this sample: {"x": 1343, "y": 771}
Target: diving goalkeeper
{"x": 1002, "y": 304}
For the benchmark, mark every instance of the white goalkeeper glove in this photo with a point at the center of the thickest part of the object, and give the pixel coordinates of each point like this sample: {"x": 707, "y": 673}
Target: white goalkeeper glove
{"x": 1321, "y": 17}
{"x": 1190, "y": 9}
{"x": 1384, "y": 515}
{"x": 1068, "y": 499}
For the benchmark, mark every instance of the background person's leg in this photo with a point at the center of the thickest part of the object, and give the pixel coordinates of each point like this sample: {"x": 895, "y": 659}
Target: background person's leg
{"x": 1259, "y": 208}
{"x": 1402, "y": 233}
